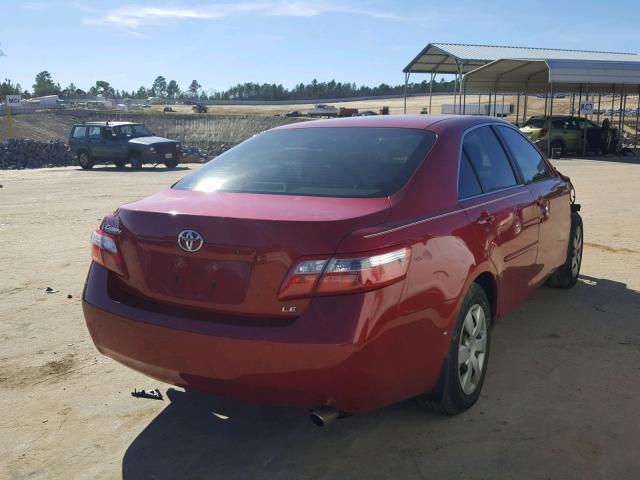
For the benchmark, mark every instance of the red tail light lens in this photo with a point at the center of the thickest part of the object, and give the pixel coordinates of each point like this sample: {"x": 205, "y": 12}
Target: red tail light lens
{"x": 104, "y": 251}
{"x": 543, "y": 133}
{"x": 346, "y": 274}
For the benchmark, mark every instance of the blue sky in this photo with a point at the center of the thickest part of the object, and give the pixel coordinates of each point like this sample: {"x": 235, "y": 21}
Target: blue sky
{"x": 221, "y": 43}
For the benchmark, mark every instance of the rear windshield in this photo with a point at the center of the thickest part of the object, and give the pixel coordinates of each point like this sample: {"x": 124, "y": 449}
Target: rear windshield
{"x": 535, "y": 122}
{"x": 332, "y": 162}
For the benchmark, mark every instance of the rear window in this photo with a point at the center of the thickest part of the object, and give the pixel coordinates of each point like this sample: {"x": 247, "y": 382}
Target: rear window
{"x": 333, "y": 162}
{"x": 79, "y": 132}
{"x": 535, "y": 122}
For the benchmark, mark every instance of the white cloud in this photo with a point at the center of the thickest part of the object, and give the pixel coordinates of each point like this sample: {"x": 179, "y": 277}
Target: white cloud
{"x": 133, "y": 18}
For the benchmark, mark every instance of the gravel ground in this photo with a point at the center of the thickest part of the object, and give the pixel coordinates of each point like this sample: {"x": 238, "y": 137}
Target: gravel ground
{"x": 560, "y": 399}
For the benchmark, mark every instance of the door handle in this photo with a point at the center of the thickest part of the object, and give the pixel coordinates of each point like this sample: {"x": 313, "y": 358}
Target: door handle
{"x": 544, "y": 205}
{"x": 486, "y": 218}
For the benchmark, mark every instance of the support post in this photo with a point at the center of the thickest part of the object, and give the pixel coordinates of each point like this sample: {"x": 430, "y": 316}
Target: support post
{"x": 580, "y": 102}
{"x": 598, "y": 114}
{"x": 518, "y": 107}
{"x": 433, "y": 75}
{"x": 489, "y": 112}
{"x": 524, "y": 109}
{"x": 406, "y": 83}
{"x": 550, "y": 122}
{"x": 635, "y": 141}
{"x": 620, "y": 132}
{"x": 479, "y": 105}
{"x": 502, "y": 108}
{"x": 495, "y": 98}
{"x": 584, "y": 129}
{"x": 546, "y": 101}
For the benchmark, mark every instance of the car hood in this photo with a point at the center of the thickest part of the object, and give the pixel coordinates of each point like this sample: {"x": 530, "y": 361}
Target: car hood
{"x": 150, "y": 140}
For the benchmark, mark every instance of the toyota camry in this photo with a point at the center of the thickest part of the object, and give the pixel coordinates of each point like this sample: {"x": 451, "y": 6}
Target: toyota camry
{"x": 336, "y": 265}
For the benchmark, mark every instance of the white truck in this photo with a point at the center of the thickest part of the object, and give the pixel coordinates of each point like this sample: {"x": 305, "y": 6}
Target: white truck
{"x": 482, "y": 109}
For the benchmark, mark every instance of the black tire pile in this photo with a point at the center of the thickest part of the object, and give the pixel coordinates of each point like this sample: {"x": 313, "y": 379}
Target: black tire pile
{"x": 201, "y": 155}
{"x": 17, "y": 154}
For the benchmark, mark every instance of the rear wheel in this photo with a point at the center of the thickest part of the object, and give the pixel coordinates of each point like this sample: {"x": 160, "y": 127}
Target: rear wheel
{"x": 465, "y": 368}
{"x": 84, "y": 160}
{"x": 135, "y": 160}
{"x": 567, "y": 275}
{"x": 171, "y": 163}
{"x": 557, "y": 146}
{"x": 119, "y": 163}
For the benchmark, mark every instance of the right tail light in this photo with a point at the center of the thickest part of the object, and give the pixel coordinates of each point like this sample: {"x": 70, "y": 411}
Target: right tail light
{"x": 344, "y": 274}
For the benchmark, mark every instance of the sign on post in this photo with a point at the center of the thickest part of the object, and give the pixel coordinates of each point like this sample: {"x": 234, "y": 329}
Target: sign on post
{"x": 14, "y": 100}
{"x": 586, "y": 107}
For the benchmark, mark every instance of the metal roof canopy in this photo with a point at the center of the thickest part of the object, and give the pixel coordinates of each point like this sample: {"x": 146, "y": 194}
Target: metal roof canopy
{"x": 595, "y": 76}
{"x": 454, "y": 58}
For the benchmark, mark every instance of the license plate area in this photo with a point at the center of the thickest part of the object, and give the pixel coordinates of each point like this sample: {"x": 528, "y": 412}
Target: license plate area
{"x": 168, "y": 155}
{"x": 197, "y": 279}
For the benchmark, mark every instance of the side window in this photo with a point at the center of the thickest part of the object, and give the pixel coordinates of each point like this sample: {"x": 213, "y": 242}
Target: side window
{"x": 468, "y": 184}
{"x": 531, "y": 163}
{"x": 79, "y": 132}
{"x": 560, "y": 123}
{"x": 123, "y": 131}
{"x": 95, "y": 133}
{"x": 488, "y": 159}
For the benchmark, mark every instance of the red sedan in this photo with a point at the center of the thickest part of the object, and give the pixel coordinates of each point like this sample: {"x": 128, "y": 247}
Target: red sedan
{"x": 337, "y": 265}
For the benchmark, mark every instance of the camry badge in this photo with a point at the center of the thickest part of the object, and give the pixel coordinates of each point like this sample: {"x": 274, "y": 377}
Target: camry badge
{"x": 190, "y": 240}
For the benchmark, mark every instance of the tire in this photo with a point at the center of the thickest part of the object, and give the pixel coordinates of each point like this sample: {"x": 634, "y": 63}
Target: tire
{"x": 119, "y": 163}
{"x": 135, "y": 160}
{"x": 461, "y": 381}
{"x": 171, "y": 164}
{"x": 84, "y": 160}
{"x": 567, "y": 275}
{"x": 555, "y": 144}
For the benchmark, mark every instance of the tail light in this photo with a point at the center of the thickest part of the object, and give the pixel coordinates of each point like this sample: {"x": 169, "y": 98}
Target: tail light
{"x": 345, "y": 273}
{"x": 105, "y": 251}
{"x": 543, "y": 133}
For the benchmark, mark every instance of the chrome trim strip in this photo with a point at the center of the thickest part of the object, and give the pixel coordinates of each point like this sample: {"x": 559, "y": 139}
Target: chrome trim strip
{"x": 443, "y": 215}
{"x": 412, "y": 224}
{"x": 466, "y": 209}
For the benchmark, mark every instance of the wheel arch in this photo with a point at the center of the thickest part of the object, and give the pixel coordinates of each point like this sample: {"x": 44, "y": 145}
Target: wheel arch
{"x": 487, "y": 282}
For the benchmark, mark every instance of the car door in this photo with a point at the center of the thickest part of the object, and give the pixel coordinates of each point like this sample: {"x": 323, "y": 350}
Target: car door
{"x": 551, "y": 195}
{"x": 96, "y": 142}
{"x": 502, "y": 212}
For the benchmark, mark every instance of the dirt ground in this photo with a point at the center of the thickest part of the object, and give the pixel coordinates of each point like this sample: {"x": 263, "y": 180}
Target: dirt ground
{"x": 560, "y": 399}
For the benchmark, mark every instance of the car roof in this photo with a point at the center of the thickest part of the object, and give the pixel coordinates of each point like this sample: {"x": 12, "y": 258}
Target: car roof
{"x": 396, "y": 121}
{"x": 104, "y": 124}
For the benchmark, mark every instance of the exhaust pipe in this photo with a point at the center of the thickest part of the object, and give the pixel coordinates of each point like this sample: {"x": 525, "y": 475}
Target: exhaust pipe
{"x": 324, "y": 416}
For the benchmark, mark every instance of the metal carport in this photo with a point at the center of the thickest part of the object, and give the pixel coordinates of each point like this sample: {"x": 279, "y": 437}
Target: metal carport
{"x": 549, "y": 75}
{"x": 458, "y": 59}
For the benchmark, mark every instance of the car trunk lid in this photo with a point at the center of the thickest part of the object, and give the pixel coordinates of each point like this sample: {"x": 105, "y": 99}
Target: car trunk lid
{"x": 249, "y": 242}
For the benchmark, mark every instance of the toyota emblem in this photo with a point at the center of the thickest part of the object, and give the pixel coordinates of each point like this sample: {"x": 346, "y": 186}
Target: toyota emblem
{"x": 190, "y": 240}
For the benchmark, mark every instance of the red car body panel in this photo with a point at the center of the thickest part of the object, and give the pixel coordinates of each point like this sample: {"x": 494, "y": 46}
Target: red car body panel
{"x": 353, "y": 352}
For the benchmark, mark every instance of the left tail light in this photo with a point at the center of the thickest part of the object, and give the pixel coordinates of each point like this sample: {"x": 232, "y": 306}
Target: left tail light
{"x": 345, "y": 273}
{"x": 106, "y": 252}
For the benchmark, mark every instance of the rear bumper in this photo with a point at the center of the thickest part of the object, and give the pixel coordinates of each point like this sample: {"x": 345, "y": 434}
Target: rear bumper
{"x": 355, "y": 367}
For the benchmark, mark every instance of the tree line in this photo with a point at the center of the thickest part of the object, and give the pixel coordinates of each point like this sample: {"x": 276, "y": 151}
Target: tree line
{"x": 45, "y": 85}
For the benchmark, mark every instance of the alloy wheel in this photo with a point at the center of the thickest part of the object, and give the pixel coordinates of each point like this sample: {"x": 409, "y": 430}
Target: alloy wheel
{"x": 472, "y": 349}
{"x": 576, "y": 257}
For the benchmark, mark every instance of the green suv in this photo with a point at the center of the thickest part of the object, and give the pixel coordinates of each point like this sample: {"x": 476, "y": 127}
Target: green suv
{"x": 567, "y": 133}
{"x": 121, "y": 143}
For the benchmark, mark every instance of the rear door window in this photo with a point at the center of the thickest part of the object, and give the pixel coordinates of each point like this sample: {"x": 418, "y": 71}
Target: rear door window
{"x": 468, "y": 183}
{"x": 95, "y": 133}
{"x": 532, "y": 165}
{"x": 488, "y": 159}
{"x": 79, "y": 132}
{"x": 323, "y": 161}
